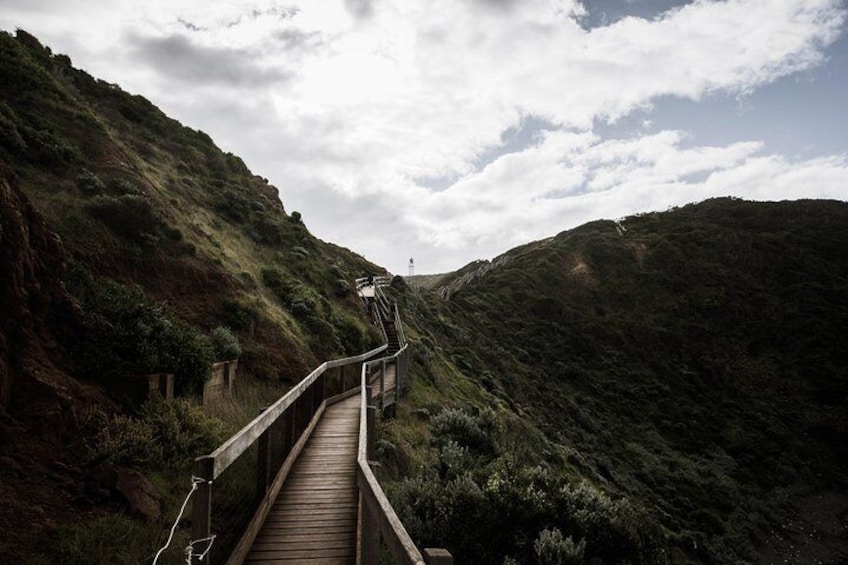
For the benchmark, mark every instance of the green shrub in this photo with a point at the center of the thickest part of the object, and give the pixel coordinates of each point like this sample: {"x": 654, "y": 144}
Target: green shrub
{"x": 126, "y": 440}
{"x": 129, "y": 215}
{"x": 104, "y": 541}
{"x": 10, "y": 136}
{"x": 613, "y": 529}
{"x": 300, "y": 252}
{"x": 455, "y": 460}
{"x": 341, "y": 287}
{"x": 126, "y": 333}
{"x": 477, "y": 432}
{"x": 49, "y": 148}
{"x": 238, "y": 315}
{"x": 279, "y": 283}
{"x": 164, "y": 434}
{"x": 124, "y": 186}
{"x": 552, "y": 549}
{"x": 90, "y": 184}
{"x": 225, "y": 344}
{"x": 443, "y": 513}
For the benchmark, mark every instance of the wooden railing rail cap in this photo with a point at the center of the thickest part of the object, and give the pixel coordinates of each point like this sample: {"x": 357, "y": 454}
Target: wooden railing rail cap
{"x": 388, "y": 358}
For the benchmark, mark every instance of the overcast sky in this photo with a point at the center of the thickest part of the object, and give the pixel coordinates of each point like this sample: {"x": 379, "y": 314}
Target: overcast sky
{"x": 453, "y": 130}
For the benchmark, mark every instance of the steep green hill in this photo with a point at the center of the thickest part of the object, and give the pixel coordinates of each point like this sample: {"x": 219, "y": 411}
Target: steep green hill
{"x": 138, "y": 197}
{"x": 143, "y": 249}
{"x": 693, "y": 367}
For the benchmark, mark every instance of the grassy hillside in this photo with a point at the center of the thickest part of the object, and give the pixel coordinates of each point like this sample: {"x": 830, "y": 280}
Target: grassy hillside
{"x": 139, "y": 198}
{"x": 692, "y": 370}
{"x": 170, "y": 254}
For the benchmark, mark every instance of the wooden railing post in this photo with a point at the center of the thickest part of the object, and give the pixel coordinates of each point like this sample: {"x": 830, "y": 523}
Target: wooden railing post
{"x": 322, "y": 388}
{"x": 437, "y": 556}
{"x": 383, "y": 384}
{"x": 397, "y": 378}
{"x": 372, "y": 442}
{"x": 370, "y": 532}
{"x": 201, "y": 521}
{"x": 279, "y": 449}
{"x": 263, "y": 462}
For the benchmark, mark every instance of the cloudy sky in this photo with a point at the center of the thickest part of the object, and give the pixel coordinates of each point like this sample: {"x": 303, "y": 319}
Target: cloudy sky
{"x": 452, "y": 130}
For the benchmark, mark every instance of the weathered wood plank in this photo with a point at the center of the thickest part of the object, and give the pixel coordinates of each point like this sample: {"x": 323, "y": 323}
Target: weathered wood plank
{"x": 314, "y": 516}
{"x": 302, "y": 554}
{"x": 286, "y": 560}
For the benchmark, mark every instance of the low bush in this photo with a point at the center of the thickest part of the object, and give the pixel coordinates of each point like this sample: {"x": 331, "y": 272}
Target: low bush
{"x": 477, "y": 432}
{"x": 10, "y": 136}
{"x": 225, "y": 344}
{"x": 485, "y": 507}
{"x": 163, "y": 434}
{"x": 551, "y": 548}
{"x": 89, "y": 184}
{"x": 238, "y": 315}
{"x": 125, "y": 333}
{"x": 129, "y": 215}
{"x": 110, "y": 539}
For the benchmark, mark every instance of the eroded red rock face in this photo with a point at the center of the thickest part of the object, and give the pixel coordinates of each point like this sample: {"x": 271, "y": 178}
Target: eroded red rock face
{"x": 31, "y": 262}
{"x": 40, "y": 402}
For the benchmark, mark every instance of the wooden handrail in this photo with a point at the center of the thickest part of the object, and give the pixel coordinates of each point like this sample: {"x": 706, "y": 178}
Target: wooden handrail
{"x": 291, "y": 418}
{"x": 375, "y": 507}
{"x": 399, "y": 325}
{"x": 376, "y": 281}
{"x": 231, "y": 449}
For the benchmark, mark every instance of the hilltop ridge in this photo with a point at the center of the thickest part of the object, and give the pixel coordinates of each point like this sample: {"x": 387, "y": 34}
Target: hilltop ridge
{"x": 692, "y": 365}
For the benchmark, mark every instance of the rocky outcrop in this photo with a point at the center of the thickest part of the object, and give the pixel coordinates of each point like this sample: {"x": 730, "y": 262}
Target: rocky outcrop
{"x": 130, "y": 487}
{"x": 41, "y": 404}
{"x": 31, "y": 262}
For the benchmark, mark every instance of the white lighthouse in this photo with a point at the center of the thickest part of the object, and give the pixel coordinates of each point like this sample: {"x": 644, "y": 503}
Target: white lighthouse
{"x": 411, "y": 267}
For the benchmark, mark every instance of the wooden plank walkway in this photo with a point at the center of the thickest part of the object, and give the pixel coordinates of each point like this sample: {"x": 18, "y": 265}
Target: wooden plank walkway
{"x": 314, "y": 519}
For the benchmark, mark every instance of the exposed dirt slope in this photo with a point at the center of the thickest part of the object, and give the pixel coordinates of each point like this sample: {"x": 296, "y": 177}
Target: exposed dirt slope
{"x": 42, "y": 406}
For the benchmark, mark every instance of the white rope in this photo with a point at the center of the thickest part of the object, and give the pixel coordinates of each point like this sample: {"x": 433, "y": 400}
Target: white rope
{"x": 195, "y": 481}
{"x": 190, "y": 548}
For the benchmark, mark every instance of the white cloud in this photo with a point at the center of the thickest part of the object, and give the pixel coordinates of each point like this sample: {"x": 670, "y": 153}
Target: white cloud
{"x": 344, "y": 103}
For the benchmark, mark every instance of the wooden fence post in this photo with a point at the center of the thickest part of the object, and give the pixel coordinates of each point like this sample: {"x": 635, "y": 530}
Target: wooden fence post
{"x": 382, "y": 384}
{"x": 201, "y": 521}
{"x": 263, "y": 463}
{"x": 371, "y": 414}
{"x": 437, "y": 556}
{"x": 370, "y": 532}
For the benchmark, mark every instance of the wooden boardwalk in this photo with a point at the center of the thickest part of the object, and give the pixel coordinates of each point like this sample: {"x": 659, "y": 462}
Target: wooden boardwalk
{"x": 314, "y": 519}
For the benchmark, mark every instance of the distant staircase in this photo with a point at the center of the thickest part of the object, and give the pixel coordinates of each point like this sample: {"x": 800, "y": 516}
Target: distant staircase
{"x": 384, "y": 311}
{"x": 392, "y": 335}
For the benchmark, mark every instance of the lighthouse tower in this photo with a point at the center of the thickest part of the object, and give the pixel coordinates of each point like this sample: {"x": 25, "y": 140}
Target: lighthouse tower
{"x": 411, "y": 267}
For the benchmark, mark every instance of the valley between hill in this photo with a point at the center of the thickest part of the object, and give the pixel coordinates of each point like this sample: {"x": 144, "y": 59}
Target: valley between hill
{"x": 673, "y": 393}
